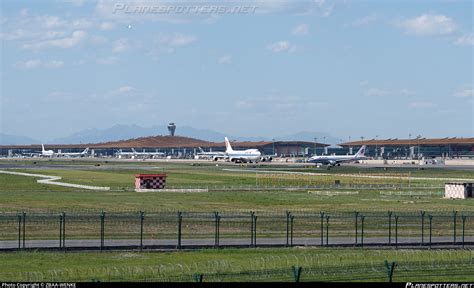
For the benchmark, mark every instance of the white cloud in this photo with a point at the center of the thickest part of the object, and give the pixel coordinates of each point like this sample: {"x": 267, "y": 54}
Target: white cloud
{"x": 178, "y": 40}
{"x": 465, "y": 40}
{"x": 82, "y": 24}
{"x": 406, "y": 92}
{"x": 107, "y": 60}
{"x": 126, "y": 89}
{"x": 167, "y": 43}
{"x": 51, "y": 22}
{"x": 27, "y": 65}
{"x": 225, "y": 59}
{"x": 14, "y": 35}
{"x": 375, "y": 92}
{"x": 104, "y": 26}
{"x": 36, "y": 63}
{"x": 54, "y": 64}
{"x": 67, "y": 42}
{"x": 76, "y": 2}
{"x": 301, "y": 29}
{"x": 421, "y": 104}
{"x": 121, "y": 45}
{"x": 464, "y": 93}
{"x": 282, "y": 46}
{"x": 366, "y": 20}
{"x": 429, "y": 24}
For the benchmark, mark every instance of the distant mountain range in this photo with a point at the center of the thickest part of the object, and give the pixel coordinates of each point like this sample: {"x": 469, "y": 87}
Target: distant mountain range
{"x": 7, "y": 139}
{"x": 123, "y": 132}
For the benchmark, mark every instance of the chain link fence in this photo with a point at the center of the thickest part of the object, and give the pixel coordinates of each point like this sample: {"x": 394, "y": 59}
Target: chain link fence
{"x": 187, "y": 230}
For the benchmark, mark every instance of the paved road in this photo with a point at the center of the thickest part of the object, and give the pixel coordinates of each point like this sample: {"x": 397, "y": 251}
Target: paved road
{"x": 124, "y": 244}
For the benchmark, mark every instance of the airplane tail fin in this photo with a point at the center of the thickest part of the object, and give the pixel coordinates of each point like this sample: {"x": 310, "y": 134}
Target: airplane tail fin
{"x": 228, "y": 148}
{"x": 200, "y": 150}
{"x": 361, "y": 151}
{"x": 133, "y": 150}
{"x": 42, "y": 148}
{"x": 85, "y": 151}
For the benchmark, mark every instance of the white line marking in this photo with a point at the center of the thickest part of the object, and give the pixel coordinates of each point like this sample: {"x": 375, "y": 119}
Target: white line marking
{"x": 47, "y": 179}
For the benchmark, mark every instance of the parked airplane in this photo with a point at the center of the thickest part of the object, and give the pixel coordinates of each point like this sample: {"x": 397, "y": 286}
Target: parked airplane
{"x": 243, "y": 156}
{"x": 332, "y": 161}
{"x": 148, "y": 154}
{"x": 210, "y": 155}
{"x": 74, "y": 154}
{"x": 46, "y": 153}
{"x": 121, "y": 154}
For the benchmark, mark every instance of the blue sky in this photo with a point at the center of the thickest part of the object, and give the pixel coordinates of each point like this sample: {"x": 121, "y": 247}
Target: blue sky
{"x": 349, "y": 68}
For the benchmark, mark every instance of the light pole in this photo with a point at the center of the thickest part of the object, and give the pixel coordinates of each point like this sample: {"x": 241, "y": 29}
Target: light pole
{"x": 325, "y": 147}
{"x": 350, "y": 146}
{"x": 418, "y": 144}
{"x": 409, "y": 143}
{"x": 314, "y": 148}
{"x": 376, "y": 151}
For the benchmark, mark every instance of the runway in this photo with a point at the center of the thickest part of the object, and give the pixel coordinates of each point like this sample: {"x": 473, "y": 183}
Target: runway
{"x": 172, "y": 244}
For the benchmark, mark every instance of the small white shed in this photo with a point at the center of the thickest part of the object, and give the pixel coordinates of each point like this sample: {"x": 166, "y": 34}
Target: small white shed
{"x": 458, "y": 190}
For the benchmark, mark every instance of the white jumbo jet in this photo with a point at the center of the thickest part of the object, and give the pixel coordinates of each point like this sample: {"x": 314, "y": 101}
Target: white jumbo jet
{"x": 243, "y": 156}
{"x": 148, "y": 154}
{"x": 74, "y": 154}
{"x": 210, "y": 155}
{"x": 119, "y": 154}
{"x": 46, "y": 153}
{"x": 332, "y": 161}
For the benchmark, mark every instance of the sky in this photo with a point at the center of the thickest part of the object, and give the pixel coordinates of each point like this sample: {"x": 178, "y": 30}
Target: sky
{"x": 254, "y": 68}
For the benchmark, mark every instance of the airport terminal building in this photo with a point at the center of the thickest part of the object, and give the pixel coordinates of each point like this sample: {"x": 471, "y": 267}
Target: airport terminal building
{"x": 416, "y": 148}
{"x": 184, "y": 147}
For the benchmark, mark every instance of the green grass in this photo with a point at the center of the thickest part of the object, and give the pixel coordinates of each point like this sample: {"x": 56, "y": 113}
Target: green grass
{"x": 110, "y": 266}
{"x": 23, "y": 193}
{"x": 20, "y": 193}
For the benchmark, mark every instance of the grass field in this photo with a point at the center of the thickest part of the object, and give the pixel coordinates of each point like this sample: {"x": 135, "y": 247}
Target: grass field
{"x": 19, "y": 193}
{"x": 354, "y": 264}
{"x": 23, "y": 193}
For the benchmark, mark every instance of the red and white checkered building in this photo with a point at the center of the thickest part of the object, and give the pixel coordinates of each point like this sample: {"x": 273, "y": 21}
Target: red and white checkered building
{"x": 150, "y": 181}
{"x": 458, "y": 190}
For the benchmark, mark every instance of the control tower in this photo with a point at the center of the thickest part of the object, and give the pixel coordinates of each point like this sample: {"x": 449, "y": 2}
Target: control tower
{"x": 171, "y": 128}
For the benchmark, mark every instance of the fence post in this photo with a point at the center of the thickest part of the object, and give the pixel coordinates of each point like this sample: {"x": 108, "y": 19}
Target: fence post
{"x": 64, "y": 231}
{"x": 431, "y": 220}
{"x": 327, "y": 230}
{"x": 389, "y": 227}
{"x": 288, "y": 215}
{"x": 251, "y": 228}
{"x": 180, "y": 221}
{"x": 291, "y": 230}
{"x": 60, "y": 230}
{"x": 142, "y": 219}
{"x": 322, "y": 227}
{"x": 396, "y": 231}
{"x": 297, "y": 273}
{"x": 24, "y": 229}
{"x": 390, "y": 267}
{"x": 454, "y": 226}
{"x": 255, "y": 230}
{"x": 197, "y": 277}
{"x": 216, "y": 232}
{"x": 102, "y": 228}
{"x": 463, "y": 224}
{"x": 362, "y": 217}
{"x": 19, "y": 231}
{"x": 422, "y": 227}
{"x": 356, "y": 224}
